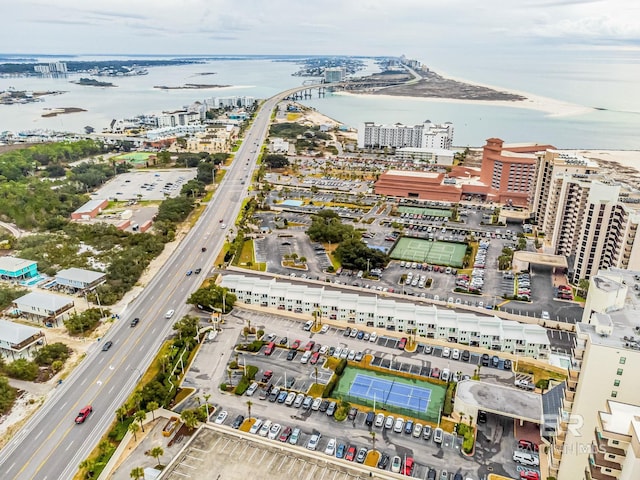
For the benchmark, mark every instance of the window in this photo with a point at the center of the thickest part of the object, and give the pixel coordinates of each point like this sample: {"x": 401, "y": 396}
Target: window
{"x": 614, "y": 394}
{"x": 623, "y": 360}
{"x": 619, "y": 372}
{"x": 616, "y": 383}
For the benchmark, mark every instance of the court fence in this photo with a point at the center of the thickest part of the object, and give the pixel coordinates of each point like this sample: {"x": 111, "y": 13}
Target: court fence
{"x": 381, "y": 407}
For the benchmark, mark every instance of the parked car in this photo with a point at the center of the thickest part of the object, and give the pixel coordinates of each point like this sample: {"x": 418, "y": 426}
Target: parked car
{"x": 527, "y": 445}
{"x": 285, "y": 434}
{"x": 362, "y": 454}
{"x": 237, "y": 422}
{"x": 331, "y": 447}
{"x": 485, "y": 359}
{"x": 295, "y": 436}
{"x": 399, "y": 425}
{"x": 408, "y": 466}
{"x": 379, "y": 420}
{"x": 222, "y": 416}
{"x": 426, "y": 432}
{"x": 396, "y": 464}
{"x": 384, "y": 461}
{"x": 340, "y": 450}
{"x": 402, "y": 343}
{"x": 351, "y": 453}
{"x": 388, "y": 423}
{"x": 274, "y": 431}
{"x": 438, "y": 435}
{"x": 255, "y": 428}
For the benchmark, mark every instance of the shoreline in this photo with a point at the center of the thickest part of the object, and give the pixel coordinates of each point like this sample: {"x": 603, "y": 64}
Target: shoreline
{"x": 550, "y": 106}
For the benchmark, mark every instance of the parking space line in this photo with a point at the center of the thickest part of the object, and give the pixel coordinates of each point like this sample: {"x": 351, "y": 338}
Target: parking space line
{"x": 275, "y": 457}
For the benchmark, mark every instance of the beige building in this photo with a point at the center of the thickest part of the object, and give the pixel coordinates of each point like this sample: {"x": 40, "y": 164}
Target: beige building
{"x": 213, "y": 139}
{"x": 586, "y": 216}
{"x": 604, "y": 369}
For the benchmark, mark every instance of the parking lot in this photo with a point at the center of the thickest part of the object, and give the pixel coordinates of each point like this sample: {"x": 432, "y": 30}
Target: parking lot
{"x": 209, "y": 370}
{"x": 146, "y": 185}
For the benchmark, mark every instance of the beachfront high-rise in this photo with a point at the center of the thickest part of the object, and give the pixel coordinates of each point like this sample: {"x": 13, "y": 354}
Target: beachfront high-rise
{"x": 590, "y": 443}
{"x": 423, "y": 135}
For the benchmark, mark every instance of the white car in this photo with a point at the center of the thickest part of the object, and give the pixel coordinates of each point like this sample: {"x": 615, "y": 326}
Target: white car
{"x": 265, "y": 428}
{"x": 274, "y": 431}
{"x": 316, "y": 404}
{"x": 223, "y": 226}
{"x": 399, "y": 426}
{"x": 373, "y": 337}
{"x": 255, "y": 428}
{"x": 455, "y": 354}
{"x": 324, "y": 329}
{"x": 331, "y": 447}
{"x": 313, "y": 442}
{"x": 445, "y": 375}
{"x": 417, "y": 430}
{"x": 396, "y": 463}
{"x": 446, "y": 352}
{"x": 222, "y": 416}
{"x": 252, "y": 389}
{"x": 545, "y": 315}
{"x": 169, "y": 314}
{"x": 388, "y": 423}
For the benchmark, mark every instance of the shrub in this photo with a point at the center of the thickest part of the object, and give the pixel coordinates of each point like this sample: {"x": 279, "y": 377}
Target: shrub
{"x": 52, "y": 352}
{"x": 242, "y": 386}
{"x": 341, "y": 366}
{"x": 542, "y": 384}
{"x": 223, "y": 387}
{"x": 328, "y": 389}
{"x": 260, "y": 333}
{"x": 252, "y": 370}
{"x": 22, "y": 369}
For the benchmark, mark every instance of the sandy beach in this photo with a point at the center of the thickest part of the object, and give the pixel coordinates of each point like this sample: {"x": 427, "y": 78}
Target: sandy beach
{"x": 621, "y": 165}
{"x": 550, "y": 106}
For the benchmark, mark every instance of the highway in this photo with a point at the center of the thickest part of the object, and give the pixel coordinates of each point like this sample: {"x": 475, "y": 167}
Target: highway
{"x": 50, "y": 446}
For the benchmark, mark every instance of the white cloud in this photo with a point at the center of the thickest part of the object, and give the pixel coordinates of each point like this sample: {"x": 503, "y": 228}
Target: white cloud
{"x": 323, "y": 26}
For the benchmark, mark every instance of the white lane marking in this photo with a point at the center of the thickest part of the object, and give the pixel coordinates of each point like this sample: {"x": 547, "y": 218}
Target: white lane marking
{"x": 38, "y": 435}
{"x": 69, "y": 446}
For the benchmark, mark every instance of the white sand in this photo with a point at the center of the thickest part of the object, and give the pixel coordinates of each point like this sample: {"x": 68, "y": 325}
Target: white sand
{"x": 626, "y": 158}
{"x": 553, "y": 108}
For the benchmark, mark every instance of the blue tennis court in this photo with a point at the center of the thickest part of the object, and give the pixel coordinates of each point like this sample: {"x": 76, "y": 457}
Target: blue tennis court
{"x": 390, "y": 392}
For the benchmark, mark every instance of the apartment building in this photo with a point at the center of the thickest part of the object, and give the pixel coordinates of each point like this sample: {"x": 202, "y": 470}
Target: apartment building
{"x": 333, "y": 74}
{"x": 426, "y": 321}
{"x": 424, "y": 135}
{"x": 509, "y": 171}
{"x": 604, "y": 370}
{"x": 425, "y": 155}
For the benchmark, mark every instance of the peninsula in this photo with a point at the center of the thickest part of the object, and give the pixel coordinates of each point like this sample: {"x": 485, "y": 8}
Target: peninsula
{"x": 54, "y": 112}
{"x": 190, "y": 86}
{"x": 92, "y": 82}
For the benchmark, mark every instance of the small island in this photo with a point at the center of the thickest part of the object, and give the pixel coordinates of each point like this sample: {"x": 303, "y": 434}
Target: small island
{"x": 190, "y": 86}
{"x": 54, "y": 112}
{"x": 92, "y": 82}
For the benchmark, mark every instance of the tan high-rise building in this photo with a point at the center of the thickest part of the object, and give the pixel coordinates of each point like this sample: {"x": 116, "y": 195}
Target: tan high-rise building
{"x": 604, "y": 369}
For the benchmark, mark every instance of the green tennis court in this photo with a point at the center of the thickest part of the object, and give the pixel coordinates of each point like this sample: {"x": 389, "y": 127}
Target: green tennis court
{"x": 433, "y": 212}
{"x": 135, "y": 157}
{"x": 439, "y": 253}
{"x": 387, "y": 392}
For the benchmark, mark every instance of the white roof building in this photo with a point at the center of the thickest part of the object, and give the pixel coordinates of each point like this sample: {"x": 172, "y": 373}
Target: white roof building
{"x": 426, "y": 320}
{"x": 17, "y": 340}
{"x": 41, "y": 306}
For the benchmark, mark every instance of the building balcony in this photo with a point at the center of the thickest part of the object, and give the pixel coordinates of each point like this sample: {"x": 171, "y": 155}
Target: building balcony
{"x": 602, "y": 446}
{"x": 595, "y": 473}
{"x": 601, "y": 461}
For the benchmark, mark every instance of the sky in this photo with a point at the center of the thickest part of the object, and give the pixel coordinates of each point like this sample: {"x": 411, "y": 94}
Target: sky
{"x": 320, "y": 27}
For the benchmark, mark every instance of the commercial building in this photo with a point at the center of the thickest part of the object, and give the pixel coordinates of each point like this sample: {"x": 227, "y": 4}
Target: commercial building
{"x": 333, "y": 74}
{"x": 43, "y": 307}
{"x": 427, "y": 321}
{"x": 418, "y": 185}
{"x": 427, "y": 155}
{"x": 178, "y": 118}
{"x": 89, "y": 210}
{"x": 18, "y": 341}
{"x": 13, "y": 268}
{"x": 216, "y": 103}
{"x": 423, "y": 135}
{"x": 604, "y": 369}
{"x": 79, "y": 279}
{"x": 509, "y": 171}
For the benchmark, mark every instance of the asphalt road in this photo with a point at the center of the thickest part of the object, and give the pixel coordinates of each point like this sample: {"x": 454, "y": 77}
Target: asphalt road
{"x": 51, "y": 446}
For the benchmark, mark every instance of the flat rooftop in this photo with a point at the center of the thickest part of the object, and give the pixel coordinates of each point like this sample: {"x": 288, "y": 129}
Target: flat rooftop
{"x": 234, "y": 455}
{"x": 507, "y": 401}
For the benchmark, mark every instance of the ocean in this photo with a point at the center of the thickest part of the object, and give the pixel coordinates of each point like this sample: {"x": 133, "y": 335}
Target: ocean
{"x": 593, "y": 79}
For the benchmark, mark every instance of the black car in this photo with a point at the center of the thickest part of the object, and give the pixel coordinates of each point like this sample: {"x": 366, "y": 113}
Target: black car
{"x": 238, "y": 421}
{"x": 432, "y": 474}
{"x": 482, "y": 416}
{"x": 507, "y": 364}
{"x": 347, "y": 332}
{"x": 383, "y": 463}
{"x": 107, "y": 346}
{"x": 204, "y": 249}
{"x": 135, "y": 322}
{"x": 283, "y": 341}
{"x": 292, "y": 354}
{"x": 485, "y": 359}
{"x": 324, "y": 405}
{"x": 197, "y": 271}
{"x": 466, "y": 355}
{"x": 495, "y": 360}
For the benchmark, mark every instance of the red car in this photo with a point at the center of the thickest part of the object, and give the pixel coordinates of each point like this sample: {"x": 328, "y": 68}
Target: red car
{"x": 286, "y": 433}
{"x": 309, "y": 345}
{"x": 84, "y": 413}
{"x": 527, "y": 445}
{"x": 529, "y": 475}
{"x": 296, "y": 345}
{"x": 408, "y": 466}
{"x": 402, "y": 343}
{"x": 351, "y": 453}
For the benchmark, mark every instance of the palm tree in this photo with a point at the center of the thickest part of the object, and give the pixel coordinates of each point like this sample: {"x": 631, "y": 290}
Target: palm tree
{"x": 373, "y": 440}
{"x": 139, "y": 416}
{"x": 156, "y": 452}
{"x": 137, "y": 398}
{"x": 134, "y": 428}
{"x": 137, "y": 473}
{"x": 206, "y": 397}
{"x": 249, "y": 405}
{"x": 152, "y": 407}
{"x": 189, "y": 418}
{"x": 121, "y": 413}
{"x": 87, "y": 465}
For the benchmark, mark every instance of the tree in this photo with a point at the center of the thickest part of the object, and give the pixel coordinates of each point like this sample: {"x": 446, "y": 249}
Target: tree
{"x": 121, "y": 413}
{"x": 373, "y": 440}
{"x": 189, "y": 418}
{"x": 206, "y": 397}
{"x": 583, "y": 287}
{"x": 140, "y": 416}
{"x": 156, "y": 452}
{"x": 137, "y": 473}
{"x": 276, "y": 161}
{"x": 137, "y": 399}
{"x": 87, "y": 465}
{"x": 249, "y": 405}
{"x": 134, "y": 428}
{"x": 152, "y": 406}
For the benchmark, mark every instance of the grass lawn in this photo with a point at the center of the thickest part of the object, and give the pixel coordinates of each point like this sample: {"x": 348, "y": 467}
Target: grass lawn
{"x": 330, "y": 248}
